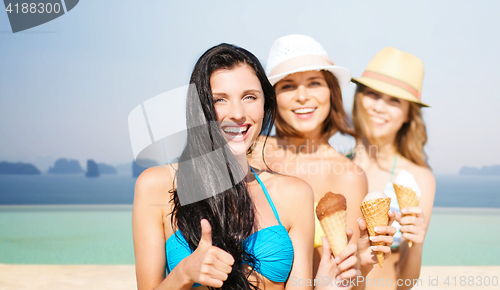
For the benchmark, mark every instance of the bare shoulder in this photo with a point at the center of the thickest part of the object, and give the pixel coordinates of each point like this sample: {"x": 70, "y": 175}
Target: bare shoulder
{"x": 426, "y": 175}
{"x": 423, "y": 175}
{"x": 287, "y": 189}
{"x": 154, "y": 186}
{"x": 290, "y": 195}
{"x": 427, "y": 182}
{"x": 155, "y": 179}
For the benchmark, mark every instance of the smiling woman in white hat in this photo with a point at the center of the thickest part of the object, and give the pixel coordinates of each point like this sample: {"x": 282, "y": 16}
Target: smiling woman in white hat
{"x": 308, "y": 89}
{"x": 390, "y": 147}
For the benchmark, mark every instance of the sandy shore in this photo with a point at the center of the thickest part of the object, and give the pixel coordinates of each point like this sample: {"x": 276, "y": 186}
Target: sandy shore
{"x": 430, "y": 275}
{"x": 66, "y": 277}
{"x": 75, "y": 277}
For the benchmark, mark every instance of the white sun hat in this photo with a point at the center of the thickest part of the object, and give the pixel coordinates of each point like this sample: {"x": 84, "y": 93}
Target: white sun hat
{"x": 298, "y": 53}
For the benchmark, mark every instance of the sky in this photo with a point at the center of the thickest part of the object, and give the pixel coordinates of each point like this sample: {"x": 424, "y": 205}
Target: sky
{"x": 67, "y": 86}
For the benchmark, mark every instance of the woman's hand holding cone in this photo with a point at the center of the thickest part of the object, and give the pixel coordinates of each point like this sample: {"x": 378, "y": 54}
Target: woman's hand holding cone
{"x": 340, "y": 268}
{"x": 407, "y": 197}
{"x": 413, "y": 225}
{"x": 367, "y": 253}
{"x": 375, "y": 208}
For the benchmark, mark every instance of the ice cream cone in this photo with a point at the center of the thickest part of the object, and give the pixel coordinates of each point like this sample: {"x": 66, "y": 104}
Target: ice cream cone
{"x": 332, "y": 215}
{"x": 334, "y": 227}
{"x": 375, "y": 214}
{"x": 407, "y": 197}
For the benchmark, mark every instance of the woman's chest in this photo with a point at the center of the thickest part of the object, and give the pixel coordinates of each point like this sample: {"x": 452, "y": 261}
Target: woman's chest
{"x": 377, "y": 179}
{"x": 321, "y": 174}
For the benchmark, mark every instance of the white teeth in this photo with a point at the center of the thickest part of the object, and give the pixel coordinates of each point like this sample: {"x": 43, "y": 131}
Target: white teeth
{"x": 235, "y": 130}
{"x": 304, "y": 110}
{"x": 377, "y": 120}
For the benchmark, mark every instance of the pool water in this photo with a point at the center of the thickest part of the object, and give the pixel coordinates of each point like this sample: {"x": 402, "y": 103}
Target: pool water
{"x": 463, "y": 237}
{"x": 102, "y": 234}
{"x": 66, "y": 235}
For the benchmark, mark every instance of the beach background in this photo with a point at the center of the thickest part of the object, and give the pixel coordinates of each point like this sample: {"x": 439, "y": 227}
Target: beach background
{"x": 70, "y": 231}
{"x": 68, "y": 86}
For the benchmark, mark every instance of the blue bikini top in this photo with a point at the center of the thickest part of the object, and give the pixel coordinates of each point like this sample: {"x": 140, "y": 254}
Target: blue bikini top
{"x": 271, "y": 247}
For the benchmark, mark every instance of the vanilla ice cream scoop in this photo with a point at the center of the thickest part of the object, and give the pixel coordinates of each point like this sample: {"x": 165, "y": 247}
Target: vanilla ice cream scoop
{"x": 406, "y": 179}
{"x": 374, "y": 195}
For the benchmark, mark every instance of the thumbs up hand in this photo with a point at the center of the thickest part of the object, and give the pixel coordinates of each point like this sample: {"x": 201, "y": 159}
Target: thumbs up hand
{"x": 208, "y": 265}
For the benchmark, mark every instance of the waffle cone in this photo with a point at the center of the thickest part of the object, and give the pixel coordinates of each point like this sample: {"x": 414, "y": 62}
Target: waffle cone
{"x": 406, "y": 198}
{"x": 334, "y": 227}
{"x": 375, "y": 214}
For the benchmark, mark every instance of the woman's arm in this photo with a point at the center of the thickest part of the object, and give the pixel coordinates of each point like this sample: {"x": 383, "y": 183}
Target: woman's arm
{"x": 148, "y": 232}
{"x": 207, "y": 265}
{"x": 415, "y": 228}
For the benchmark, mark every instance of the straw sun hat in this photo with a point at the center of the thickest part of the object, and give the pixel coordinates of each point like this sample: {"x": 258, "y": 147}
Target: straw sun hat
{"x": 395, "y": 73}
{"x": 298, "y": 53}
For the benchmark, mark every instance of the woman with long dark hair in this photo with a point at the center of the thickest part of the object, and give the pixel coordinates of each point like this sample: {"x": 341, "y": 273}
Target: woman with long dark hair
{"x": 391, "y": 134}
{"x": 213, "y": 221}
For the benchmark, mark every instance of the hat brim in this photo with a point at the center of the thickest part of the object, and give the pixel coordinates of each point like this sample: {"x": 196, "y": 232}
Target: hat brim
{"x": 342, "y": 74}
{"x": 388, "y": 89}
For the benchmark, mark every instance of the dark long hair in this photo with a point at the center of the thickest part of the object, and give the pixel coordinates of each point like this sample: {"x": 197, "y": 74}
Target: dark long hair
{"x": 205, "y": 162}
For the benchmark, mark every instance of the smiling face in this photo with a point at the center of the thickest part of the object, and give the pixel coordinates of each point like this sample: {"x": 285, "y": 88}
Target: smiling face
{"x": 304, "y": 101}
{"x": 385, "y": 113}
{"x": 239, "y": 105}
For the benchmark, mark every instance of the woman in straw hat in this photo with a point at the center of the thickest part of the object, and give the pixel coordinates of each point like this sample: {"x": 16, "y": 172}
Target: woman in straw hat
{"x": 390, "y": 147}
{"x": 310, "y": 110}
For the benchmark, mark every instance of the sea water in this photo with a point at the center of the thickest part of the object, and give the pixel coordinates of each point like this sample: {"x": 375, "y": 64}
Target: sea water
{"x": 451, "y": 190}
{"x": 66, "y": 189}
